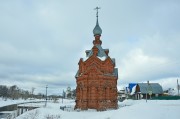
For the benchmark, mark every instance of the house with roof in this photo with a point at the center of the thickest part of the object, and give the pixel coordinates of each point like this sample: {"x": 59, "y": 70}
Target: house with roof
{"x": 146, "y": 90}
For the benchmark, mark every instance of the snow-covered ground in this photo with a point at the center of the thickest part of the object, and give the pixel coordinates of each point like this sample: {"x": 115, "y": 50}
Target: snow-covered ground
{"x": 129, "y": 109}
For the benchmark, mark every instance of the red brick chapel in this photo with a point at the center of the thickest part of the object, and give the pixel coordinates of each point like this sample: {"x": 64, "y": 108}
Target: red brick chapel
{"x": 97, "y": 77}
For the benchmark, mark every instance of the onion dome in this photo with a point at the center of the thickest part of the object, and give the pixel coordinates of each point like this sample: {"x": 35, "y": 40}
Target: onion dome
{"x": 97, "y": 29}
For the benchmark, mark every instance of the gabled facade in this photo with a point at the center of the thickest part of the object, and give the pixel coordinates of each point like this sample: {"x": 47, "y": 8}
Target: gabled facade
{"x": 147, "y": 90}
{"x": 96, "y": 78}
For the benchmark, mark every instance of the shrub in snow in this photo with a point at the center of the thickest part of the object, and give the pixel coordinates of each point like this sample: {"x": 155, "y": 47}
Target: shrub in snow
{"x": 32, "y": 115}
{"x": 55, "y": 100}
{"x": 107, "y": 118}
{"x": 53, "y": 116}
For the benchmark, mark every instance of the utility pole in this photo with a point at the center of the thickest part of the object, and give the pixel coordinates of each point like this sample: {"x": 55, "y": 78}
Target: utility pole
{"x": 147, "y": 87}
{"x": 178, "y": 86}
{"x": 62, "y": 96}
{"x": 46, "y": 96}
{"x": 32, "y": 91}
{"x": 146, "y": 94}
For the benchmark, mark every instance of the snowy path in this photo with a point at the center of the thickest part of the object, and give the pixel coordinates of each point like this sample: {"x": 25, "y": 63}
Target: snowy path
{"x": 11, "y": 102}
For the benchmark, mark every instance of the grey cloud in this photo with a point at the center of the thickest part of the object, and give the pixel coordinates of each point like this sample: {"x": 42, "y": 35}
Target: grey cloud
{"x": 41, "y": 41}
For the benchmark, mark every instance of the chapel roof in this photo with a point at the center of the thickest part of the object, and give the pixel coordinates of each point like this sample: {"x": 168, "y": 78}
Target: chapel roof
{"x": 101, "y": 52}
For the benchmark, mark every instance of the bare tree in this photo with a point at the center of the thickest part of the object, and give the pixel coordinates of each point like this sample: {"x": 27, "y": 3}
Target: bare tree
{"x": 3, "y": 91}
{"x": 13, "y": 92}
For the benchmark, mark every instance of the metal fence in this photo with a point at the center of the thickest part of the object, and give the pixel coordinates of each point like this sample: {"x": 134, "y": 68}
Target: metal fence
{"x": 166, "y": 98}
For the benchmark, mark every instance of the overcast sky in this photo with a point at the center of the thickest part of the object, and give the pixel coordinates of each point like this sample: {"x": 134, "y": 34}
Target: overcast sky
{"x": 41, "y": 41}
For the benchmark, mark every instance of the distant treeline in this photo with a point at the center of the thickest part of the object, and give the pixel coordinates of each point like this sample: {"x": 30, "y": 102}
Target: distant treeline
{"x": 14, "y": 92}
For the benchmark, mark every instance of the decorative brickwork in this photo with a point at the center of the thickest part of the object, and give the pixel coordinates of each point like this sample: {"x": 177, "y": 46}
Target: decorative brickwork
{"x": 96, "y": 79}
